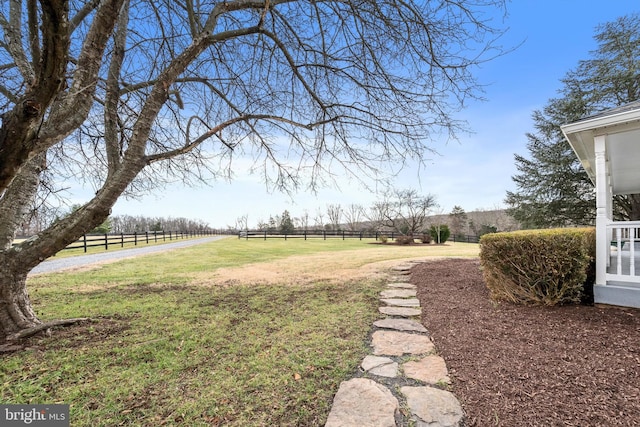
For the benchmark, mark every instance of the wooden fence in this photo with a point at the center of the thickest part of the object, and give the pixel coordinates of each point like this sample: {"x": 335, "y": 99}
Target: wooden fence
{"x": 146, "y": 237}
{"x": 311, "y": 234}
{"x": 342, "y": 234}
{"x": 120, "y": 239}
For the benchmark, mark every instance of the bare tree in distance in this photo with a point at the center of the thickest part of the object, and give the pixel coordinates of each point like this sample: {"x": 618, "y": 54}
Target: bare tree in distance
{"x": 334, "y": 215}
{"x": 376, "y": 214}
{"x": 306, "y": 89}
{"x": 303, "y": 220}
{"x": 404, "y": 210}
{"x": 353, "y": 215}
{"x": 139, "y": 223}
{"x": 318, "y": 220}
{"x": 242, "y": 222}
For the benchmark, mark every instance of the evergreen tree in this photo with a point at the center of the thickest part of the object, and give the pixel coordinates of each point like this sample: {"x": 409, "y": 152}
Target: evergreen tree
{"x": 458, "y": 220}
{"x": 552, "y": 188}
{"x": 286, "y": 223}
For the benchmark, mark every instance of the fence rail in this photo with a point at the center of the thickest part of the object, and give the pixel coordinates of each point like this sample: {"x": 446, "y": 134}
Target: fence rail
{"x": 121, "y": 239}
{"x": 341, "y": 234}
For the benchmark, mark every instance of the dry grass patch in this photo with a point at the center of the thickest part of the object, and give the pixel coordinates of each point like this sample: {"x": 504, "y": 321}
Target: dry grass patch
{"x": 350, "y": 265}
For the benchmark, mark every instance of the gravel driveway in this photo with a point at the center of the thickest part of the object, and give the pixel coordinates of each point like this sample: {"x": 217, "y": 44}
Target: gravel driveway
{"x": 53, "y": 264}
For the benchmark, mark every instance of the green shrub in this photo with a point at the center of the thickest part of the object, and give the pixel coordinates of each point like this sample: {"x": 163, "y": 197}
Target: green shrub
{"x": 404, "y": 240}
{"x": 537, "y": 266}
{"x": 444, "y": 233}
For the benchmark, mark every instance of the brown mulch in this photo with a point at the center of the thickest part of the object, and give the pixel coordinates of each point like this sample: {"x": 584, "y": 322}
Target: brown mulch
{"x": 530, "y": 366}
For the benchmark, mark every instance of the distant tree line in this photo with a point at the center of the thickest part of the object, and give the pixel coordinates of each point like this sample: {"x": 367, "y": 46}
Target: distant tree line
{"x": 404, "y": 212}
{"x": 130, "y": 224}
{"x": 120, "y": 223}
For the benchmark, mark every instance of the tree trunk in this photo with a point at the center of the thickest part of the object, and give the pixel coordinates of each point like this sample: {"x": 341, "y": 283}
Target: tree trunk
{"x": 16, "y": 312}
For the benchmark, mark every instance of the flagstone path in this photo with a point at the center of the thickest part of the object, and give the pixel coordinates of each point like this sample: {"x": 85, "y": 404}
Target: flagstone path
{"x": 403, "y": 382}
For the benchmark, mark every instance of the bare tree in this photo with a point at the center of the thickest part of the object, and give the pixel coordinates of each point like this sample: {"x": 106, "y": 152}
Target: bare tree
{"x": 353, "y": 216}
{"x": 376, "y": 215}
{"x": 334, "y": 214}
{"x": 303, "y": 220}
{"x": 405, "y": 211}
{"x": 318, "y": 220}
{"x": 242, "y": 222}
{"x": 87, "y": 91}
{"x": 262, "y": 225}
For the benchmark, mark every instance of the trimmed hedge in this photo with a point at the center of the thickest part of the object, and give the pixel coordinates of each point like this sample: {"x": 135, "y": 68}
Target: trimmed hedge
{"x": 538, "y": 266}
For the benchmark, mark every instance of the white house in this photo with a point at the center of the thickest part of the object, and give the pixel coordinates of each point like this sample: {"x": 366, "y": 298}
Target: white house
{"x": 608, "y": 146}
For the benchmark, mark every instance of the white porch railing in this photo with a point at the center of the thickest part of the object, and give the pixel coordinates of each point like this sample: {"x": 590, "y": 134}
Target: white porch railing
{"x": 623, "y": 263}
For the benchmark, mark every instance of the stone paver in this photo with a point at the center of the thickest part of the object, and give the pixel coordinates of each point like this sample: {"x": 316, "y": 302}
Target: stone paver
{"x": 400, "y": 311}
{"x": 401, "y": 285}
{"x": 430, "y": 369}
{"x": 398, "y": 293}
{"x": 433, "y": 407}
{"x": 363, "y": 402}
{"x": 366, "y": 402}
{"x": 400, "y": 325}
{"x": 392, "y": 343}
{"x": 400, "y": 302}
{"x": 381, "y": 366}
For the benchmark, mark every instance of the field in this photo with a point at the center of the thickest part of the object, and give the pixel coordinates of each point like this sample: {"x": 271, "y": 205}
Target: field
{"x": 234, "y": 332}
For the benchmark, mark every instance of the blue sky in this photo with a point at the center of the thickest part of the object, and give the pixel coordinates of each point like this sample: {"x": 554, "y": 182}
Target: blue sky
{"x": 474, "y": 172}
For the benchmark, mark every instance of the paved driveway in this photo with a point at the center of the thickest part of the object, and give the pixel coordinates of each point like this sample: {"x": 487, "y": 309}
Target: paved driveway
{"x": 53, "y": 264}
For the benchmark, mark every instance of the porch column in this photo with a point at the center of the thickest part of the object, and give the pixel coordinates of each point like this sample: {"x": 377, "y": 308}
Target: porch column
{"x": 603, "y": 200}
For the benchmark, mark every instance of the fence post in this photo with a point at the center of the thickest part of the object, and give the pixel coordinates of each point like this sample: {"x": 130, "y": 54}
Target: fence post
{"x": 146, "y": 235}
{"x": 135, "y": 238}
{"x": 265, "y": 235}
{"x": 84, "y": 242}
{"x": 106, "y": 241}
{"x": 122, "y": 240}
{"x": 305, "y": 234}
{"x": 164, "y": 237}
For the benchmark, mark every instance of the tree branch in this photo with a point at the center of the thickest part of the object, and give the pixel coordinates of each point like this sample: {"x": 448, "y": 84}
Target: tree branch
{"x": 189, "y": 146}
{"x": 13, "y": 32}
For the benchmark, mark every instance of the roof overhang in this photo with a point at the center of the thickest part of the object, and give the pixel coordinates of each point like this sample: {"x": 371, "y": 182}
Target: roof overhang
{"x": 622, "y": 129}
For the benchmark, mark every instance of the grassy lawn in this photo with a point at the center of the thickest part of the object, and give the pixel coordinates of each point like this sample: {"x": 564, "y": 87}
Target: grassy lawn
{"x": 234, "y": 332}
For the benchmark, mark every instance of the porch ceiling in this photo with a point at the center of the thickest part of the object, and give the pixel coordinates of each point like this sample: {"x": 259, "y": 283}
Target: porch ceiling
{"x": 622, "y": 129}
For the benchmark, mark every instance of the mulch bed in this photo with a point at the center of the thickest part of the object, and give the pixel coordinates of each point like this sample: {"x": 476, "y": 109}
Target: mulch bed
{"x": 530, "y": 366}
